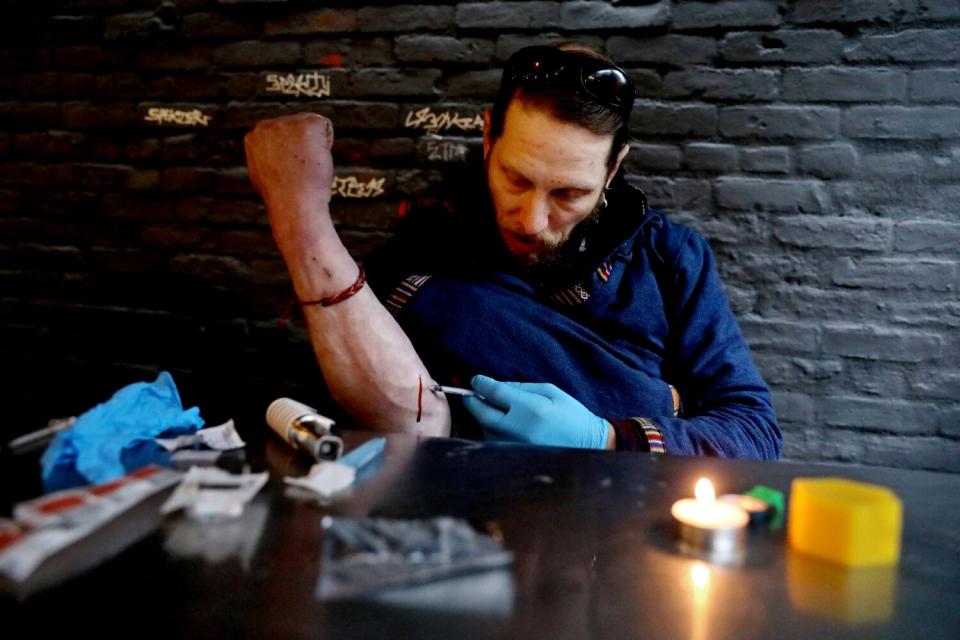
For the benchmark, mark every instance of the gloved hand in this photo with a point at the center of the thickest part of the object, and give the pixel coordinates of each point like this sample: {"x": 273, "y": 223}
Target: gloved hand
{"x": 537, "y": 413}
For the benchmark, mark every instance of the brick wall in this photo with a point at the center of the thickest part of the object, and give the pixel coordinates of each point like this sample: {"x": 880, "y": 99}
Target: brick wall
{"x": 815, "y": 143}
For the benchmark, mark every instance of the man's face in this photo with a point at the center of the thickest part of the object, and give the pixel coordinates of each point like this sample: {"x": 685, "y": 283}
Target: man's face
{"x": 545, "y": 177}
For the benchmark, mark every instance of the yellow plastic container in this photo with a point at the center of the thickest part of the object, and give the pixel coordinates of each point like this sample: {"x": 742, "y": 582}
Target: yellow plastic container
{"x": 851, "y": 523}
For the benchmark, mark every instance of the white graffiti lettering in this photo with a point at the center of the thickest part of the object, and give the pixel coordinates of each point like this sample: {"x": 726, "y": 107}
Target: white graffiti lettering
{"x": 312, "y": 84}
{"x": 432, "y": 122}
{"x": 161, "y": 115}
{"x": 445, "y": 151}
{"x": 351, "y": 187}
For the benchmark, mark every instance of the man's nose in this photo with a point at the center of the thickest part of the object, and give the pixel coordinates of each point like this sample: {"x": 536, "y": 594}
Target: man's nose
{"x": 534, "y": 214}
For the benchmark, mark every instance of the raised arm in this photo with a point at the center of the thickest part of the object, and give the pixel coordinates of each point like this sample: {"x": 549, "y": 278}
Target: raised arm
{"x": 369, "y": 364}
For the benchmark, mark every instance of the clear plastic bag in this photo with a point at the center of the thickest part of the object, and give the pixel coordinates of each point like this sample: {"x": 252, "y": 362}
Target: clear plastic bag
{"x": 362, "y": 556}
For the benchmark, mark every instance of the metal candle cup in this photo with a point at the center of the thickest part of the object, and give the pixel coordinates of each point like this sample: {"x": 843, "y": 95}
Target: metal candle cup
{"x": 708, "y": 525}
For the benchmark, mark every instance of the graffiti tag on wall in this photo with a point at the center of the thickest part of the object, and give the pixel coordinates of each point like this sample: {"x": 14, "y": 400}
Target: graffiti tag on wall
{"x": 432, "y": 122}
{"x": 182, "y": 117}
{"x": 445, "y": 151}
{"x": 352, "y": 187}
{"x": 313, "y": 84}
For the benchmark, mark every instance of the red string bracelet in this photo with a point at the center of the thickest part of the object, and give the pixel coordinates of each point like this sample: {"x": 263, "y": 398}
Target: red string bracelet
{"x": 343, "y": 295}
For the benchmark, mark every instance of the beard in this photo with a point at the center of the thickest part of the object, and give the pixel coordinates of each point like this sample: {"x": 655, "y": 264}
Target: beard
{"x": 550, "y": 254}
{"x": 554, "y": 260}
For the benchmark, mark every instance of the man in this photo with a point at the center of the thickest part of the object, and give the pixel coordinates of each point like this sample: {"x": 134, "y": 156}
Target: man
{"x": 578, "y": 316}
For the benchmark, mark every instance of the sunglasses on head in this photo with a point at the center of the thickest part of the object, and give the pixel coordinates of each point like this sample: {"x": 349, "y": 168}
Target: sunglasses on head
{"x": 591, "y": 78}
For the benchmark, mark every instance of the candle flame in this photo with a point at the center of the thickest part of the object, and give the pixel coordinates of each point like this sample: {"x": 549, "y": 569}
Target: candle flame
{"x": 704, "y": 491}
{"x": 700, "y": 576}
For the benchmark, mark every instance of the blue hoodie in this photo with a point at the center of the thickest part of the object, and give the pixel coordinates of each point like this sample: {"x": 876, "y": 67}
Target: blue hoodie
{"x": 633, "y": 323}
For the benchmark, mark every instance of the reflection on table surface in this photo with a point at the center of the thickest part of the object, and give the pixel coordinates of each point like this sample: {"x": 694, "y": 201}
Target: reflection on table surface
{"x": 595, "y": 555}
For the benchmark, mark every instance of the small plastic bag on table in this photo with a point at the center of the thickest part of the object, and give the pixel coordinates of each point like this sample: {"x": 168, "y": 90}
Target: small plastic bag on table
{"x": 373, "y": 557}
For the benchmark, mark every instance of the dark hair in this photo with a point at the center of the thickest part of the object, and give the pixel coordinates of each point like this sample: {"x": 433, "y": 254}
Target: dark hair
{"x": 566, "y": 104}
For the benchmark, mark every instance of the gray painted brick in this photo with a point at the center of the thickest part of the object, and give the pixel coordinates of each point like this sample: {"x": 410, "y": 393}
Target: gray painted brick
{"x": 896, "y": 198}
{"x": 844, "y": 85}
{"x": 930, "y": 10}
{"x": 722, "y": 84}
{"x": 646, "y": 82}
{"x": 902, "y": 123}
{"x": 934, "y": 454}
{"x": 941, "y": 385}
{"x": 926, "y": 235}
{"x": 601, "y": 15}
{"x": 674, "y": 49}
{"x": 800, "y": 46}
{"x": 394, "y": 82}
{"x": 829, "y": 161}
{"x": 892, "y": 165}
{"x": 79, "y": 115}
{"x": 727, "y": 13}
{"x": 875, "y": 414}
{"x": 508, "y": 15}
{"x": 741, "y": 300}
{"x": 944, "y": 165}
{"x": 406, "y": 17}
{"x": 871, "y": 343}
{"x": 790, "y": 406}
{"x": 134, "y": 25}
{"x": 348, "y": 52}
{"x": 808, "y": 11}
{"x": 759, "y": 266}
{"x": 875, "y": 378}
{"x": 709, "y": 156}
{"x": 675, "y": 194}
{"x": 866, "y": 234}
{"x": 209, "y": 267}
{"x": 749, "y": 194}
{"x": 474, "y": 83}
{"x": 895, "y": 273}
{"x": 256, "y": 54}
{"x": 911, "y": 45}
{"x": 779, "y": 122}
{"x": 935, "y": 85}
{"x": 309, "y": 22}
{"x": 950, "y": 423}
{"x": 655, "y": 118}
{"x": 508, "y": 44}
{"x": 777, "y": 369}
{"x": 431, "y": 48}
{"x": 193, "y": 58}
{"x": 644, "y": 157}
{"x": 217, "y": 25}
{"x": 735, "y": 230}
{"x": 765, "y": 159}
{"x": 780, "y": 336}
{"x": 819, "y": 444}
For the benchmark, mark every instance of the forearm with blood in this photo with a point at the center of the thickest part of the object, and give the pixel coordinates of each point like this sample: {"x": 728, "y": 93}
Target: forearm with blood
{"x": 368, "y": 362}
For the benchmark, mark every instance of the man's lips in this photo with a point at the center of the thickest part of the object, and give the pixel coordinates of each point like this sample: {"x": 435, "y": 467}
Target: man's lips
{"x": 520, "y": 243}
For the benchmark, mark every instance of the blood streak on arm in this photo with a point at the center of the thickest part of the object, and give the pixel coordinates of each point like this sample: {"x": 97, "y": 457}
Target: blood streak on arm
{"x": 420, "y": 399}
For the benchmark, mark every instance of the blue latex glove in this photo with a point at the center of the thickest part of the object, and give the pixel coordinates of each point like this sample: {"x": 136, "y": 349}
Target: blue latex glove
{"x": 537, "y": 413}
{"x": 117, "y": 436}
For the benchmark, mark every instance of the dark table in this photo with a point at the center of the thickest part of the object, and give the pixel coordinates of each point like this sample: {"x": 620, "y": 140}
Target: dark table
{"x": 594, "y": 557}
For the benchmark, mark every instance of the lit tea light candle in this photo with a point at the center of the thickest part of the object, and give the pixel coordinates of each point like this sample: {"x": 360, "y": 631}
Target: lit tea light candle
{"x": 757, "y": 509}
{"x": 708, "y": 524}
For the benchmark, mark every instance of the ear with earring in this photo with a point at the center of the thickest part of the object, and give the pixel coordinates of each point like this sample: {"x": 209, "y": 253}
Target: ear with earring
{"x": 603, "y": 199}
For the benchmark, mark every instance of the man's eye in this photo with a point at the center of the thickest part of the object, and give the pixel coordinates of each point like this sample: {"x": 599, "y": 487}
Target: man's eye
{"x": 571, "y": 195}
{"x": 517, "y": 181}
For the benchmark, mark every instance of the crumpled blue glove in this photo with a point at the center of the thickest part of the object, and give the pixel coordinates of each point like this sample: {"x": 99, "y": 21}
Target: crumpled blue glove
{"x": 536, "y": 413}
{"x": 117, "y": 436}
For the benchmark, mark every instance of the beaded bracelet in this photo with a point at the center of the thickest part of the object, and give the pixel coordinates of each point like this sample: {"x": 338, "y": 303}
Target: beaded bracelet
{"x": 343, "y": 295}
